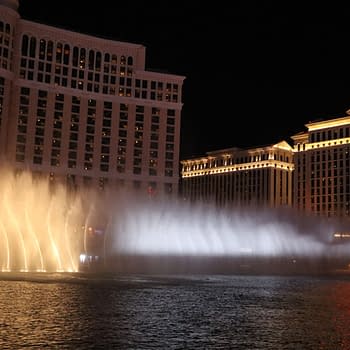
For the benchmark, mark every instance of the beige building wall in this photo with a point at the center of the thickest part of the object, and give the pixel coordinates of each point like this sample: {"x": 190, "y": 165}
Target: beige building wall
{"x": 258, "y": 176}
{"x": 322, "y": 167}
{"x": 84, "y": 109}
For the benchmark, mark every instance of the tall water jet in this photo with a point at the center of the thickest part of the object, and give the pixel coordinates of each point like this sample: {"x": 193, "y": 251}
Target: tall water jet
{"x": 39, "y": 225}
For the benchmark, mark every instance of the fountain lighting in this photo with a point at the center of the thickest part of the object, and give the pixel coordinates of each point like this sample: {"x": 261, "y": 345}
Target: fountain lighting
{"x": 38, "y": 225}
{"x": 151, "y": 227}
{"x": 47, "y": 230}
{"x": 179, "y": 228}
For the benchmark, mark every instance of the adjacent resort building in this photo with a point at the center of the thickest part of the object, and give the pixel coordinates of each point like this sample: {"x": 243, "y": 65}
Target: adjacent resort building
{"x": 312, "y": 175}
{"x": 256, "y": 176}
{"x": 322, "y": 167}
{"x": 84, "y": 110}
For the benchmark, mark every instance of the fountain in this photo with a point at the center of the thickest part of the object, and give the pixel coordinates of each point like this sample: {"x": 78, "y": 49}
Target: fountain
{"x": 44, "y": 228}
{"x": 38, "y": 226}
{"x": 162, "y": 236}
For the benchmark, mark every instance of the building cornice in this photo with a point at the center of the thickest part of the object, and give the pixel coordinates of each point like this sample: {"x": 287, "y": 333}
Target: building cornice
{"x": 239, "y": 167}
{"x": 330, "y": 123}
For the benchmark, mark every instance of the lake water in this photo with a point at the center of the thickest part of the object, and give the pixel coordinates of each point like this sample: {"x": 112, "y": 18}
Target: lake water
{"x": 82, "y": 311}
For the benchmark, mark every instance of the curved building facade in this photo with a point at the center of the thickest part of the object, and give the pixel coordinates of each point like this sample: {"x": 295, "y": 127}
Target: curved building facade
{"x": 84, "y": 110}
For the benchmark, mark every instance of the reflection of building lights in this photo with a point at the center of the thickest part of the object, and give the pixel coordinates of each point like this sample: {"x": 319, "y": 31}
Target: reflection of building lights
{"x": 87, "y": 259}
{"x": 341, "y": 235}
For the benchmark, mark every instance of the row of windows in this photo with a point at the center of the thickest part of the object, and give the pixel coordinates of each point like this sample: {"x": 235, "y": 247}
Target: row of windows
{"x": 89, "y": 135}
{"x": 329, "y": 190}
{"x": 73, "y": 181}
{"x": 336, "y": 153}
{"x": 92, "y": 82}
{"x": 64, "y": 54}
{"x": 80, "y": 68}
{"x": 331, "y": 134}
{"x": 241, "y": 181}
{"x": 336, "y": 199}
{"x": 232, "y": 161}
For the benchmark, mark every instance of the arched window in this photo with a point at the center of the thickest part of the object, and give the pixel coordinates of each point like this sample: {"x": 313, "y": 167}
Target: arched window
{"x": 66, "y": 54}
{"x": 25, "y": 45}
{"x": 82, "y": 58}
{"x": 49, "y": 50}
{"x": 130, "y": 61}
{"x": 32, "y": 47}
{"x": 91, "y": 59}
{"x": 98, "y": 61}
{"x": 75, "y": 56}
{"x": 59, "y": 53}
{"x": 42, "y": 49}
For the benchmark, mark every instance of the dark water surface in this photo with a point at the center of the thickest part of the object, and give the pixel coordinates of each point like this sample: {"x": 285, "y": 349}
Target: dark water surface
{"x": 174, "y": 312}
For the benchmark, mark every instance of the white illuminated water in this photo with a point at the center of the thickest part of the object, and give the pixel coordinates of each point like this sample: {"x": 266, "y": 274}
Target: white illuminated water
{"x": 179, "y": 228}
{"x": 45, "y": 230}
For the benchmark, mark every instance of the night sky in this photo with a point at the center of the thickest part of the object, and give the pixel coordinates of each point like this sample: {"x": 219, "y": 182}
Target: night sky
{"x": 256, "y": 71}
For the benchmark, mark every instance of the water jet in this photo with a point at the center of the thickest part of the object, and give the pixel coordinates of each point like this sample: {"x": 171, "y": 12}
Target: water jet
{"x": 48, "y": 229}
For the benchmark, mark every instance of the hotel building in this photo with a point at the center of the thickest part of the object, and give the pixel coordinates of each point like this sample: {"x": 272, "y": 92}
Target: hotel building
{"x": 313, "y": 176}
{"x": 255, "y": 176}
{"x": 84, "y": 110}
{"x": 322, "y": 167}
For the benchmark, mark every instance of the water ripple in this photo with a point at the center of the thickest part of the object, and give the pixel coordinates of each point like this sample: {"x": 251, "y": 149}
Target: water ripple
{"x": 175, "y": 312}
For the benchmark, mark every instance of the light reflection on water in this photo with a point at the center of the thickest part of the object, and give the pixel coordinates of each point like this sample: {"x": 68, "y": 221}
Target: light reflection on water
{"x": 174, "y": 312}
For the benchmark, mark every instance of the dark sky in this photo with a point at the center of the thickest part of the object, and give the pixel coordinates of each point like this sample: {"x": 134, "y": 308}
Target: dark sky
{"x": 256, "y": 71}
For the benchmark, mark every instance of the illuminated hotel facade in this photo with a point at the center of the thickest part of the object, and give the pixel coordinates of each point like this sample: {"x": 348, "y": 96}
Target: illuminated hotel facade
{"x": 83, "y": 110}
{"x": 245, "y": 177}
{"x": 312, "y": 176}
{"x": 322, "y": 167}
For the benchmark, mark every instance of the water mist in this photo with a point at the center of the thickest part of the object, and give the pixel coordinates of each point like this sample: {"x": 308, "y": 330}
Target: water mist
{"x": 45, "y": 228}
